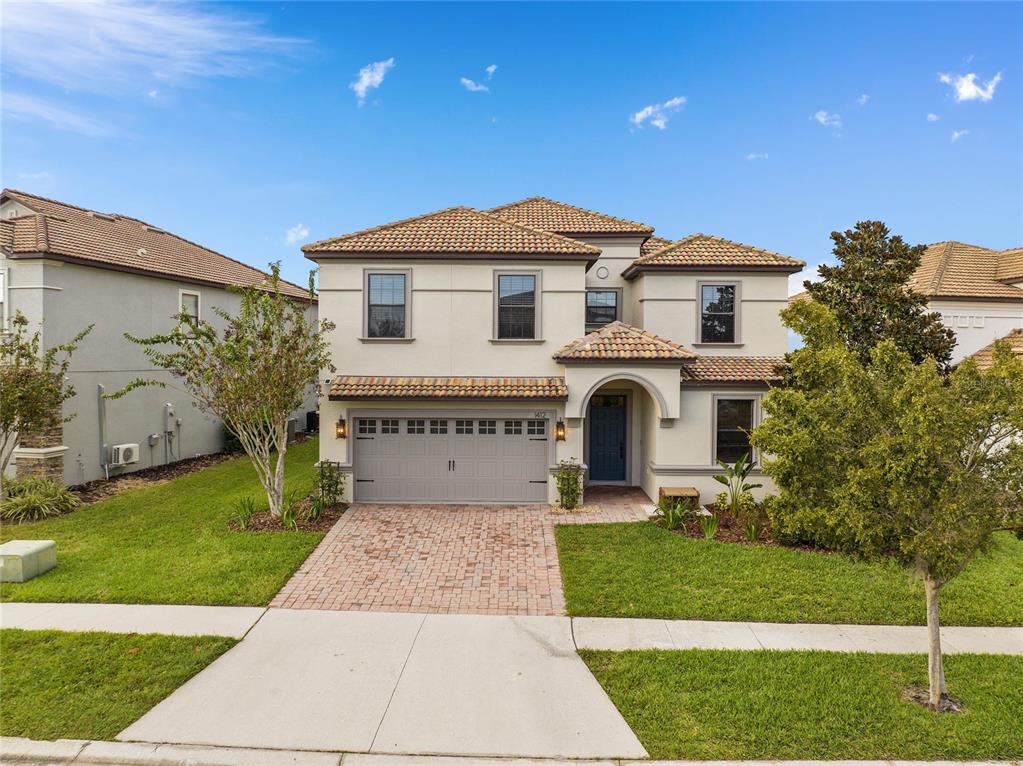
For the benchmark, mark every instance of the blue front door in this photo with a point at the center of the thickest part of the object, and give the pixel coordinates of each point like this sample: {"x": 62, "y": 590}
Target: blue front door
{"x": 607, "y": 437}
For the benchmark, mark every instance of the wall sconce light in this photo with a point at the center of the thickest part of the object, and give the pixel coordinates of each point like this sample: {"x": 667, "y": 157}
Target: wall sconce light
{"x": 559, "y": 431}
{"x": 341, "y": 429}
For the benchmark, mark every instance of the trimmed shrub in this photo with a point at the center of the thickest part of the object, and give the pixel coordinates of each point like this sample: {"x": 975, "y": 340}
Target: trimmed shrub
{"x": 35, "y": 497}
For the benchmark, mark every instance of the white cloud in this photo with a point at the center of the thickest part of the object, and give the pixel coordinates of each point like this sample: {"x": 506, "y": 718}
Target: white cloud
{"x": 932, "y": 117}
{"x": 19, "y": 106}
{"x": 153, "y": 93}
{"x": 658, "y": 114}
{"x": 756, "y": 156}
{"x": 827, "y": 119}
{"x": 490, "y": 70}
{"x": 967, "y": 89}
{"x": 296, "y": 234}
{"x": 957, "y": 134}
{"x": 863, "y": 99}
{"x": 473, "y": 86}
{"x": 371, "y": 76}
{"x": 121, "y": 47}
{"x": 39, "y": 175}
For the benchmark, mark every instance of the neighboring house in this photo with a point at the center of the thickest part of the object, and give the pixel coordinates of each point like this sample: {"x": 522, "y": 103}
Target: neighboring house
{"x": 985, "y": 356}
{"x": 977, "y": 291}
{"x": 476, "y": 350}
{"x": 65, "y": 267}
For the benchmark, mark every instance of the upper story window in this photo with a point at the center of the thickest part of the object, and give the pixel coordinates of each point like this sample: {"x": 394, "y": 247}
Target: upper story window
{"x": 189, "y": 303}
{"x": 602, "y": 307}
{"x": 518, "y": 307}
{"x": 719, "y": 317}
{"x": 733, "y": 421}
{"x": 387, "y": 304}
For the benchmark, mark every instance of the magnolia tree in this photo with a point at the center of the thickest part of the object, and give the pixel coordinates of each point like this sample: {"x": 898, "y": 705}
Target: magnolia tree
{"x": 887, "y": 458}
{"x": 868, "y": 290}
{"x": 33, "y": 385}
{"x": 251, "y": 374}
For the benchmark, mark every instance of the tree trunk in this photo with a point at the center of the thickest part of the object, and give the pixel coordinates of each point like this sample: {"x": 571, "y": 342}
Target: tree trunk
{"x": 935, "y": 666}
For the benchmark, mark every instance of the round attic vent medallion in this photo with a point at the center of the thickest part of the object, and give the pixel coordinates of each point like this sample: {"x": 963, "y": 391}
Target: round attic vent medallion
{"x": 602, "y": 272}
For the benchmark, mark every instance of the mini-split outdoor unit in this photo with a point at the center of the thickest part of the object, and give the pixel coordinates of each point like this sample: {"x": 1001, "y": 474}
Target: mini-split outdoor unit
{"x": 123, "y": 454}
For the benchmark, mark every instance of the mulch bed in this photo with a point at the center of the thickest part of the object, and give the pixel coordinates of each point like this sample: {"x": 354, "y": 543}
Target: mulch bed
{"x": 147, "y": 477}
{"x": 730, "y": 530}
{"x": 264, "y": 522}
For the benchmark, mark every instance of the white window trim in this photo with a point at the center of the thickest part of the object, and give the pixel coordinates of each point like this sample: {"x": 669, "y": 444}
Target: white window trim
{"x": 737, "y": 313}
{"x": 5, "y": 297}
{"x": 198, "y": 302}
{"x": 537, "y": 301}
{"x": 407, "y": 337}
{"x": 757, "y": 418}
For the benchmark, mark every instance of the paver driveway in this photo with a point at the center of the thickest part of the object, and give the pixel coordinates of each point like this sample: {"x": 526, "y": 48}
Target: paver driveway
{"x": 496, "y": 559}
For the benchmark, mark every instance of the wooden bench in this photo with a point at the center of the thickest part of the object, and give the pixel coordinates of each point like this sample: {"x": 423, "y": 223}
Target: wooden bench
{"x": 681, "y": 493}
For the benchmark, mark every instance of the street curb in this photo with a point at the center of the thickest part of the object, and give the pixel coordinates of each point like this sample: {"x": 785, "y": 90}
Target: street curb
{"x": 101, "y": 753}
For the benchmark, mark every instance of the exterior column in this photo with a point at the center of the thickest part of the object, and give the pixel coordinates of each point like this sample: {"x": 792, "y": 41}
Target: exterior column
{"x": 41, "y": 453}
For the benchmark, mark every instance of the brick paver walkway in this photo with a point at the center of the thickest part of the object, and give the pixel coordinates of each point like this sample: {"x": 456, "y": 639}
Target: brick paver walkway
{"x": 420, "y": 558}
{"x": 615, "y": 503}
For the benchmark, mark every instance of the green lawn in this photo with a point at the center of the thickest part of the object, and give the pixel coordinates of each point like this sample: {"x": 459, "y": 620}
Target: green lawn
{"x": 641, "y": 570}
{"x": 170, "y": 543}
{"x": 91, "y": 685}
{"x": 707, "y": 705}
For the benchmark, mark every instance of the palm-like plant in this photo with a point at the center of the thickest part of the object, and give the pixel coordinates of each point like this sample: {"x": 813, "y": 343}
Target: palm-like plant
{"x": 734, "y": 479}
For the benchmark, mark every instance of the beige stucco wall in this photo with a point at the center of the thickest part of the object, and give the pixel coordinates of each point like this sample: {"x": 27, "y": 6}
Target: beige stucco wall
{"x": 978, "y": 323}
{"x": 668, "y": 304}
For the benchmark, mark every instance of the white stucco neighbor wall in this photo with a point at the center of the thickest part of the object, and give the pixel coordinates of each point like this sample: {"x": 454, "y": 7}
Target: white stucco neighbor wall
{"x": 978, "y": 323}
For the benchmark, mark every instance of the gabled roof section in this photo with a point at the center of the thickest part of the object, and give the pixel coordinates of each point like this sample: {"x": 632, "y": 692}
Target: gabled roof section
{"x": 733, "y": 369}
{"x": 961, "y": 270}
{"x": 550, "y": 389}
{"x": 618, "y": 341}
{"x": 109, "y": 240}
{"x": 454, "y": 231}
{"x": 702, "y": 252}
{"x": 985, "y": 356}
{"x": 549, "y": 215}
{"x": 652, "y": 245}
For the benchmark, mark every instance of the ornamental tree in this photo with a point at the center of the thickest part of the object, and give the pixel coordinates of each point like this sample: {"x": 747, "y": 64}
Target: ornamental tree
{"x": 870, "y": 295}
{"x": 33, "y": 385}
{"x": 887, "y": 458}
{"x": 251, "y": 374}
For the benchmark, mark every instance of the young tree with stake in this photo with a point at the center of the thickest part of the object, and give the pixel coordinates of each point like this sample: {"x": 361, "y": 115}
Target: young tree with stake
{"x": 887, "y": 458}
{"x": 252, "y": 374}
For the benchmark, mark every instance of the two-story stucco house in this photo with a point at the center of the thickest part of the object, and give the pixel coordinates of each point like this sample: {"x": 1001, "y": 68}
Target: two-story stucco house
{"x": 476, "y": 350}
{"x": 66, "y": 267}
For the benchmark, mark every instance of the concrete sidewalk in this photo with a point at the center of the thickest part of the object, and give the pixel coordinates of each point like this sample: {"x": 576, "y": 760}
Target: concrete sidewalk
{"x": 88, "y": 752}
{"x": 611, "y": 633}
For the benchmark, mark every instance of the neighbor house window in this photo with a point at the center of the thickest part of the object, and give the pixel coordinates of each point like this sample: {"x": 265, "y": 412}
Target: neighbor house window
{"x": 517, "y": 306}
{"x": 387, "y": 305}
{"x": 3, "y": 300}
{"x": 189, "y": 304}
{"x": 601, "y": 308}
{"x": 733, "y": 421}
{"x": 718, "y": 313}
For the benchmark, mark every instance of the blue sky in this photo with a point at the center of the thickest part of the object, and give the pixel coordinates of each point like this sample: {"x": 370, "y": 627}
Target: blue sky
{"x": 772, "y": 124}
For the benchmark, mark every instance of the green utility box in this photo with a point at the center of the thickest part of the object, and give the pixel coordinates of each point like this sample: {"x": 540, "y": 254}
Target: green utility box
{"x": 21, "y": 560}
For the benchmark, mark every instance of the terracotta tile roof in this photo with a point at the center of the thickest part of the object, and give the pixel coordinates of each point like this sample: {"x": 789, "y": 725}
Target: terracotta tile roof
{"x": 619, "y": 341}
{"x": 701, "y": 251}
{"x": 801, "y": 296}
{"x": 732, "y": 369}
{"x": 652, "y": 245}
{"x": 1010, "y": 265}
{"x": 116, "y": 241}
{"x": 510, "y": 389}
{"x": 985, "y": 356}
{"x": 546, "y": 214}
{"x": 959, "y": 270}
{"x": 457, "y": 230}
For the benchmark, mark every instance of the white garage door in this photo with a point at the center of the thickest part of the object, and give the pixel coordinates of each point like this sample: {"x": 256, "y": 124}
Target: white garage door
{"x": 424, "y": 460}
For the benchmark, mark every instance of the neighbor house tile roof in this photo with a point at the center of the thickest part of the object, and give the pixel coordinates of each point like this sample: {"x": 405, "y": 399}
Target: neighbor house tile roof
{"x": 801, "y": 296}
{"x": 455, "y": 231}
{"x": 701, "y": 251}
{"x": 546, "y": 214}
{"x": 960, "y": 270}
{"x": 67, "y": 232}
{"x": 652, "y": 245}
{"x": 364, "y": 387}
{"x": 985, "y": 356}
{"x": 733, "y": 369}
{"x": 619, "y": 341}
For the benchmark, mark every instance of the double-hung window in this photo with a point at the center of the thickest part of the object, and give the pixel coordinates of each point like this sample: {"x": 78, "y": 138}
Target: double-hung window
{"x": 517, "y": 306}
{"x": 189, "y": 304}
{"x": 718, "y": 313}
{"x": 387, "y": 305}
{"x": 734, "y": 418}
{"x": 601, "y": 308}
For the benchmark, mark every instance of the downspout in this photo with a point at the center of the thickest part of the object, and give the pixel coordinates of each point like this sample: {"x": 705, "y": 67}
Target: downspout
{"x": 102, "y": 411}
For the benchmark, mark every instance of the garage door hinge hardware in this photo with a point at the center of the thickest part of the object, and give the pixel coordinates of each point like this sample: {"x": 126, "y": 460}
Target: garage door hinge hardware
{"x": 537, "y": 439}
{"x": 364, "y": 481}
{"x": 538, "y": 481}
{"x": 360, "y": 438}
